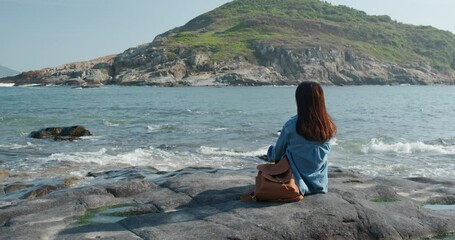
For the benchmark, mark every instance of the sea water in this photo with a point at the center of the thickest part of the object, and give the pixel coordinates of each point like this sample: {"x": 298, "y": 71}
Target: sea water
{"x": 404, "y": 131}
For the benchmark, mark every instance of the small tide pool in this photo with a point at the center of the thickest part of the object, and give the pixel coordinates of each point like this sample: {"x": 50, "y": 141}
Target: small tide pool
{"x": 440, "y": 207}
{"x": 107, "y": 215}
{"x": 110, "y": 215}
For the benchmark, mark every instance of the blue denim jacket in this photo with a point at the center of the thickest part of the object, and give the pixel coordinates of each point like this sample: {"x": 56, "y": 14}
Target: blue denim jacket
{"x": 308, "y": 159}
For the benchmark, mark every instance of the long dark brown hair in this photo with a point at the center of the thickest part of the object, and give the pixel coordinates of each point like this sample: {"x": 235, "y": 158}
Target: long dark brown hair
{"x": 314, "y": 123}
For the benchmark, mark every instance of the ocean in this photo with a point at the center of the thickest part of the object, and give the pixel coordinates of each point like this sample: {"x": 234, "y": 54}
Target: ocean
{"x": 405, "y": 131}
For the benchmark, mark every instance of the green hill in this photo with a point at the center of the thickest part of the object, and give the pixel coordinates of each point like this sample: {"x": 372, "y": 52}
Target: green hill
{"x": 273, "y": 42}
{"x": 229, "y": 30}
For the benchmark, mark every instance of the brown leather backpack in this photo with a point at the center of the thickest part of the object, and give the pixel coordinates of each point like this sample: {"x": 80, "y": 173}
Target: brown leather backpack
{"x": 276, "y": 183}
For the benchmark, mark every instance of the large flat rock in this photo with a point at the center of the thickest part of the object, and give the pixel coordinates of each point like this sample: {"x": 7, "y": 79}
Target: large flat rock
{"x": 204, "y": 204}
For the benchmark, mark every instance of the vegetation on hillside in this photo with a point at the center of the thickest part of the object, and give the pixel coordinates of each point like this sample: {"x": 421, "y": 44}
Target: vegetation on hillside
{"x": 229, "y": 30}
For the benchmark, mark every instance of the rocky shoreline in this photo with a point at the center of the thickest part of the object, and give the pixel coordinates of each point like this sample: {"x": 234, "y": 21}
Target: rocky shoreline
{"x": 198, "y": 203}
{"x": 156, "y": 64}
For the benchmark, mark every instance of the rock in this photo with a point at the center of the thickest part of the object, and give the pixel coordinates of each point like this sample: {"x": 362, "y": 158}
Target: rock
{"x": 129, "y": 173}
{"x": 70, "y": 181}
{"x": 61, "y": 133}
{"x": 90, "y": 72}
{"x": 198, "y": 203}
{"x": 33, "y": 189}
{"x": 4, "y": 174}
{"x": 131, "y": 189}
{"x": 40, "y": 191}
{"x": 156, "y": 64}
{"x": 199, "y": 60}
{"x": 13, "y": 187}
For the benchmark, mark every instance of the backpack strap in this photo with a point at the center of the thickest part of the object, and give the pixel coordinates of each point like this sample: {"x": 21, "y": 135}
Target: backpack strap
{"x": 275, "y": 169}
{"x": 281, "y": 178}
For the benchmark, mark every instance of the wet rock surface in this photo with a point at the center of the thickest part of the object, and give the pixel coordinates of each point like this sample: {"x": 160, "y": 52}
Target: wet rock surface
{"x": 203, "y": 203}
{"x": 61, "y": 133}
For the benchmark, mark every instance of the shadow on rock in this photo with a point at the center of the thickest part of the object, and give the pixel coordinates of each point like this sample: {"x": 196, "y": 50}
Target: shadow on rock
{"x": 204, "y": 204}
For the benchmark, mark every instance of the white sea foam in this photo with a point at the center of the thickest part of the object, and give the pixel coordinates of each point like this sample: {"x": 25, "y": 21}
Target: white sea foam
{"x": 378, "y": 146}
{"x": 231, "y": 152}
{"x": 219, "y": 129}
{"x": 373, "y": 169}
{"x": 91, "y": 138}
{"x": 196, "y": 112}
{"x": 110, "y": 124}
{"x": 103, "y": 157}
{"x": 405, "y": 170}
{"x": 160, "y": 159}
{"x": 17, "y": 146}
{"x": 153, "y": 128}
{"x": 30, "y": 85}
{"x": 6, "y": 84}
{"x": 158, "y": 127}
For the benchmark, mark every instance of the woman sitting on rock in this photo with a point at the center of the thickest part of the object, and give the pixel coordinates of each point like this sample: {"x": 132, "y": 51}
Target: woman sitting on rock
{"x": 305, "y": 140}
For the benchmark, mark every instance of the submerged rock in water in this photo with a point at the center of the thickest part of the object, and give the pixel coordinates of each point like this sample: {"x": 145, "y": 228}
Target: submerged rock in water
{"x": 200, "y": 203}
{"x": 34, "y": 189}
{"x": 40, "y": 191}
{"x": 4, "y": 173}
{"x": 129, "y": 173}
{"x": 61, "y": 133}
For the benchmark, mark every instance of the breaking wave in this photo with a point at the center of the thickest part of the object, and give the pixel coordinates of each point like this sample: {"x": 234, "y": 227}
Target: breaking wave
{"x": 110, "y": 124}
{"x": 231, "y": 152}
{"x": 378, "y": 146}
{"x": 14, "y": 146}
{"x": 6, "y": 84}
{"x": 161, "y": 159}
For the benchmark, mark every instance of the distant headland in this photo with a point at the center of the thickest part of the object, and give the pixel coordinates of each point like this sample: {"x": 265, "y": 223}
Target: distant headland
{"x": 5, "y": 72}
{"x": 268, "y": 42}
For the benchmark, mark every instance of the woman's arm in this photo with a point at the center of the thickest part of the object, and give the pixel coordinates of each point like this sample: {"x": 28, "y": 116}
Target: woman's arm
{"x": 276, "y": 153}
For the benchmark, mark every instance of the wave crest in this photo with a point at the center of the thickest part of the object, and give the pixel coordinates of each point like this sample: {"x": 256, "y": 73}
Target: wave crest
{"x": 230, "y": 152}
{"x": 162, "y": 127}
{"x": 378, "y": 146}
{"x": 110, "y": 124}
{"x": 160, "y": 159}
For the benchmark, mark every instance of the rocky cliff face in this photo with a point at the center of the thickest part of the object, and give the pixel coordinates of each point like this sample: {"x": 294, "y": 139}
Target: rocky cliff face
{"x": 96, "y": 71}
{"x": 343, "y": 65}
{"x": 156, "y": 64}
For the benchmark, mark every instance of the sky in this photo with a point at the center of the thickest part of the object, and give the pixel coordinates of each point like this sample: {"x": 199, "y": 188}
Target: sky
{"x": 46, "y": 33}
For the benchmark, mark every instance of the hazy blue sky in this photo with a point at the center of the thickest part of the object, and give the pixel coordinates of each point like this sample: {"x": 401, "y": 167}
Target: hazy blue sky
{"x": 44, "y": 33}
